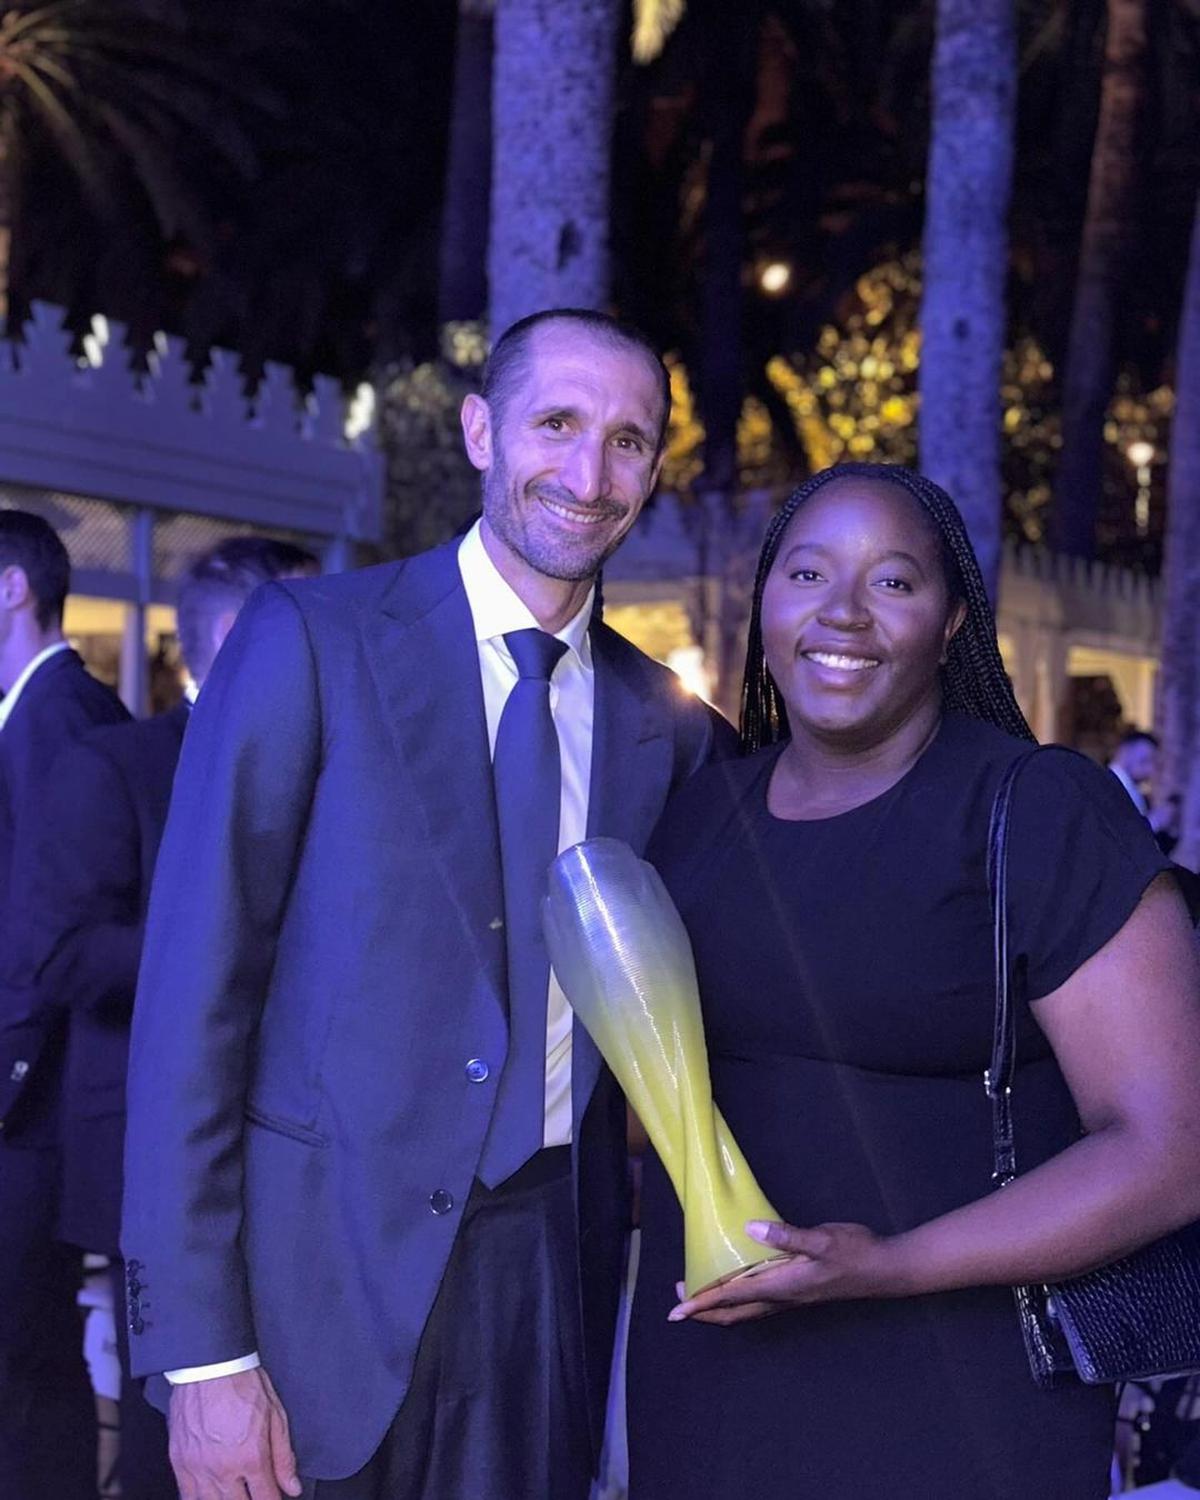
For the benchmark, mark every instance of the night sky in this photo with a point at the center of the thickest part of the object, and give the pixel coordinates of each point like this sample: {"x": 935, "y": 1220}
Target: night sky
{"x": 295, "y": 213}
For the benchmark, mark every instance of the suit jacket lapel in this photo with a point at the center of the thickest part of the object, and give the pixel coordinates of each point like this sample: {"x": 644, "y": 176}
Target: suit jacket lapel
{"x": 631, "y": 772}
{"x": 425, "y": 662}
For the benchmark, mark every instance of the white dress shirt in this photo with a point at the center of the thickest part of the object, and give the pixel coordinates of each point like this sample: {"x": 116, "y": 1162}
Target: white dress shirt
{"x": 496, "y": 610}
{"x": 9, "y": 701}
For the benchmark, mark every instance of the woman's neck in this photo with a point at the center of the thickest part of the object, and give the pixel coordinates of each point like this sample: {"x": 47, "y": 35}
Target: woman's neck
{"x": 820, "y": 776}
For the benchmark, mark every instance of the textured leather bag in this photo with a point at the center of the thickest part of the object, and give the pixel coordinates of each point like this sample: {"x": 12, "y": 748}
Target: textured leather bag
{"x": 1135, "y": 1318}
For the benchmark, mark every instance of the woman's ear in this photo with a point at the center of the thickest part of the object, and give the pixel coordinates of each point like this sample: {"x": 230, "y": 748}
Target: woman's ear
{"x": 954, "y": 622}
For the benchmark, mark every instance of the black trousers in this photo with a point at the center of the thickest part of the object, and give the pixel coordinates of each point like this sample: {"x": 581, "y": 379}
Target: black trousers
{"x": 496, "y": 1409}
{"x": 48, "y": 1435}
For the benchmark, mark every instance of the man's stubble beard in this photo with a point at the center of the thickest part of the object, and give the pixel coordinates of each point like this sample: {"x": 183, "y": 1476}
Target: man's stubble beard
{"x": 503, "y": 508}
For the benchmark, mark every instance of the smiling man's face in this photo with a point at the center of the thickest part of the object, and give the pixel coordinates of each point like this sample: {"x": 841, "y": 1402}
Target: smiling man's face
{"x": 574, "y": 451}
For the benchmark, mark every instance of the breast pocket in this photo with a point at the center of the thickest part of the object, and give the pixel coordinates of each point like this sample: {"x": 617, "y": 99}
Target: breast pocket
{"x": 278, "y": 1124}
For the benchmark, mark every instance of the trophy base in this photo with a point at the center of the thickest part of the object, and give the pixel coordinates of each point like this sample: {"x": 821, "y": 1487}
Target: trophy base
{"x": 744, "y": 1273}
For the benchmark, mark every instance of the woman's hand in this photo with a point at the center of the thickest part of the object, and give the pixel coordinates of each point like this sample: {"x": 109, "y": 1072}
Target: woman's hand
{"x": 831, "y": 1263}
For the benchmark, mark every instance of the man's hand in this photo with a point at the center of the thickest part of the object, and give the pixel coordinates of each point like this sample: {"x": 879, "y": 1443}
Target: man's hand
{"x": 230, "y": 1440}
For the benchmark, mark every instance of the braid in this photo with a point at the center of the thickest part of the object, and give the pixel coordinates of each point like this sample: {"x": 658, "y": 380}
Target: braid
{"x": 973, "y": 678}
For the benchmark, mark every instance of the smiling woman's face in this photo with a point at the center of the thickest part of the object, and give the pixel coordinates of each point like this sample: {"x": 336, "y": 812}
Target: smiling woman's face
{"x": 856, "y": 615}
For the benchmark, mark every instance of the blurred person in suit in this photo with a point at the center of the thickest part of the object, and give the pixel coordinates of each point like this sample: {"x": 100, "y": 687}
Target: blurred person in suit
{"x": 1135, "y": 765}
{"x": 48, "y": 1437}
{"x": 91, "y": 876}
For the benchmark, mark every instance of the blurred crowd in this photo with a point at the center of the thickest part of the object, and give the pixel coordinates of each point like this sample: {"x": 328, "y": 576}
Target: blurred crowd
{"x": 84, "y": 792}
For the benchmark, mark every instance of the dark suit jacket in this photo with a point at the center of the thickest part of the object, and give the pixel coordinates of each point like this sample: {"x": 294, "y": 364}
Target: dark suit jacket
{"x": 60, "y": 702}
{"x": 98, "y": 848}
{"x": 324, "y": 955}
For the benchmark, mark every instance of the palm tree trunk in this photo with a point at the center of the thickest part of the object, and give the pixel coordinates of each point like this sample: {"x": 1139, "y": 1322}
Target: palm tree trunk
{"x": 731, "y": 57}
{"x": 1103, "y": 255}
{"x": 966, "y": 260}
{"x": 462, "y": 261}
{"x": 552, "y": 107}
{"x": 730, "y": 74}
{"x": 7, "y": 206}
{"x": 552, "y": 116}
{"x": 1179, "y": 709}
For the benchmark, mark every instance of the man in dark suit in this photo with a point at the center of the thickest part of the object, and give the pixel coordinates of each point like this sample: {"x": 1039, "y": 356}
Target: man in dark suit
{"x": 90, "y": 875}
{"x": 374, "y": 1173}
{"x": 47, "y": 1411}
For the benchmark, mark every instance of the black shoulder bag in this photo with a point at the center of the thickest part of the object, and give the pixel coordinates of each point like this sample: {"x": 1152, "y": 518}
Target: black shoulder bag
{"x": 1135, "y": 1318}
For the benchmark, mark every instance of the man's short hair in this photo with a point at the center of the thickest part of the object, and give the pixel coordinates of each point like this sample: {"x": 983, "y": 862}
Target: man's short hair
{"x": 1135, "y": 736}
{"x": 32, "y": 544}
{"x": 222, "y": 579}
{"x": 509, "y": 358}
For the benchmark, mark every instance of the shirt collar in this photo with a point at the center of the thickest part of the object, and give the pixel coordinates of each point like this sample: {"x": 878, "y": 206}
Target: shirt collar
{"x": 9, "y": 701}
{"x": 496, "y": 608}
{"x": 1131, "y": 786}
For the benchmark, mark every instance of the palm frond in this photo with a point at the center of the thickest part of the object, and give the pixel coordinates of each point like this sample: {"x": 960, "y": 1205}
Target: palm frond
{"x": 125, "y": 99}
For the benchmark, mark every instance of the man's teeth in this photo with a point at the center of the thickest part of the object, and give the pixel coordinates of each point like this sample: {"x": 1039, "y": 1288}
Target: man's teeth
{"x": 583, "y": 518}
{"x": 842, "y": 663}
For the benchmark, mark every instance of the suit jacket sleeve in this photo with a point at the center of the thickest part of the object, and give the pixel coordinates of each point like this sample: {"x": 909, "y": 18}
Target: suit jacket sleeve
{"x": 233, "y": 837}
{"x": 723, "y": 743}
{"x": 31, "y": 751}
{"x": 86, "y": 927}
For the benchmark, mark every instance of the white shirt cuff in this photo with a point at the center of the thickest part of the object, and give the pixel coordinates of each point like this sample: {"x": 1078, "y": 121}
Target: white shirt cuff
{"x": 210, "y": 1372}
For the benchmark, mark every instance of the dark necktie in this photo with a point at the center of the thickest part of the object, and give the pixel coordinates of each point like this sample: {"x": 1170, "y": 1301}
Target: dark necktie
{"x": 528, "y": 779}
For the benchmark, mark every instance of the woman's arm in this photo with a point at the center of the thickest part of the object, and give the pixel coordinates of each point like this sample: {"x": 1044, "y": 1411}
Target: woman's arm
{"x": 1125, "y": 1028}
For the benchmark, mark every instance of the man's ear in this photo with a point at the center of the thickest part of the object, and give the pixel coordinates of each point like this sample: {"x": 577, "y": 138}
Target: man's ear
{"x": 476, "y": 419}
{"x": 14, "y": 587}
{"x": 221, "y": 626}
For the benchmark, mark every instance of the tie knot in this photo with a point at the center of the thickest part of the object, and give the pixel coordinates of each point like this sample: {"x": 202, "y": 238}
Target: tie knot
{"x": 535, "y": 653}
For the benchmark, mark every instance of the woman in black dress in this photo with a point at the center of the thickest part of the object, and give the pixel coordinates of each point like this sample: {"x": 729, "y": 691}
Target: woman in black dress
{"x": 834, "y": 887}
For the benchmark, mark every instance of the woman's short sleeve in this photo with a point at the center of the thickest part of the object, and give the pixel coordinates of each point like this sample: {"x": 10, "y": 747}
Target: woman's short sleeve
{"x": 1080, "y": 858}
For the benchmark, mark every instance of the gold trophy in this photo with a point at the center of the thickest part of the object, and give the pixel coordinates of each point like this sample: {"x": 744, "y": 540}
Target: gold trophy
{"x": 622, "y": 956}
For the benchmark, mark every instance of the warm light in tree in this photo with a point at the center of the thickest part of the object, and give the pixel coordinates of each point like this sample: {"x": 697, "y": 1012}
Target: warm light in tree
{"x": 775, "y": 277}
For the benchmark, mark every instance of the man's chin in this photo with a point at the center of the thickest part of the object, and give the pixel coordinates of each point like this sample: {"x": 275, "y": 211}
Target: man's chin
{"x": 569, "y": 565}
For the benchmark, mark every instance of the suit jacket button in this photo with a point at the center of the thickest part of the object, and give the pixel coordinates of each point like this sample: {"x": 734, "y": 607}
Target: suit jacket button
{"x": 477, "y": 1070}
{"x": 136, "y": 1325}
{"x": 441, "y": 1202}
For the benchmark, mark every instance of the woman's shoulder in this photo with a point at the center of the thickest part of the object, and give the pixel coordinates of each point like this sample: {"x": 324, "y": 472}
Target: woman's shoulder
{"x": 974, "y": 742}
{"x": 723, "y": 781}
{"x": 701, "y": 807}
{"x": 1055, "y": 785}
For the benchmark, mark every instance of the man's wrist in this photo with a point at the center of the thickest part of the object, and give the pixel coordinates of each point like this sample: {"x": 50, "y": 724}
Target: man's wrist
{"x": 191, "y": 1374}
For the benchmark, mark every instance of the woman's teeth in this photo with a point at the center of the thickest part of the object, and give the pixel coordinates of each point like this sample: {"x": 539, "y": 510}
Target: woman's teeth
{"x": 841, "y": 663}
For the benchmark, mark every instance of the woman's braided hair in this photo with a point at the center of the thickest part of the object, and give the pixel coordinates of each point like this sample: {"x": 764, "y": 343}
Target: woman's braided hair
{"x": 973, "y": 678}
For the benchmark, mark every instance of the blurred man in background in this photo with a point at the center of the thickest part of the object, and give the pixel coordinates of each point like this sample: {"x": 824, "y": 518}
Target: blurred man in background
{"x": 1135, "y": 765}
{"x": 47, "y": 1413}
{"x": 92, "y": 873}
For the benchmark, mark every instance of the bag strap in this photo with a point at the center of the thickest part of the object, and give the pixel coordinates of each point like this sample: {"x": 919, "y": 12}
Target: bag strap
{"x": 998, "y": 1077}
